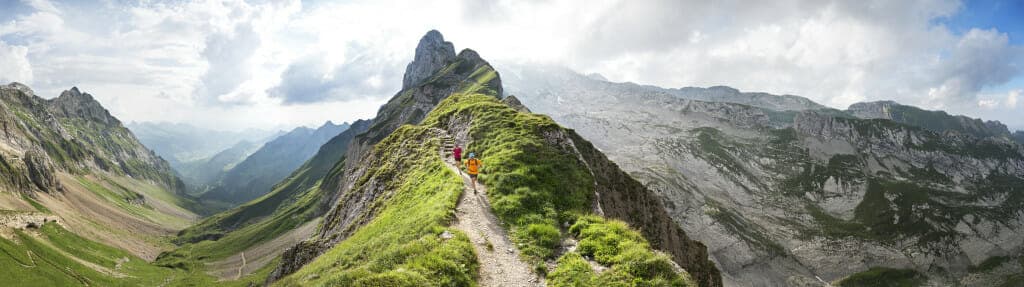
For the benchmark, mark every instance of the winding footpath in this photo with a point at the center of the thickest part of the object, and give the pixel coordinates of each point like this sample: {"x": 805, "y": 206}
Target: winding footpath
{"x": 498, "y": 256}
{"x": 239, "y": 276}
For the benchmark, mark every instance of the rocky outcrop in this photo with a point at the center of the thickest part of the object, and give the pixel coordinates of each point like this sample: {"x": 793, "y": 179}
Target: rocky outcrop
{"x": 514, "y": 102}
{"x": 22, "y": 220}
{"x": 937, "y": 121}
{"x": 40, "y": 171}
{"x": 432, "y": 54}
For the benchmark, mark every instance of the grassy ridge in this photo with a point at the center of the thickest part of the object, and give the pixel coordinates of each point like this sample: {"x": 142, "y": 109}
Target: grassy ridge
{"x": 533, "y": 186}
{"x": 535, "y": 183}
{"x": 401, "y": 246}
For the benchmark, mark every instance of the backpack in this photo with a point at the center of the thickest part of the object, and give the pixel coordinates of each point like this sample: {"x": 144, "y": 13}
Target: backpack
{"x": 473, "y": 165}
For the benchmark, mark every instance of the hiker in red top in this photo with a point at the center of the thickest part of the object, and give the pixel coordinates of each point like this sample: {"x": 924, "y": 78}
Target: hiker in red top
{"x": 457, "y": 153}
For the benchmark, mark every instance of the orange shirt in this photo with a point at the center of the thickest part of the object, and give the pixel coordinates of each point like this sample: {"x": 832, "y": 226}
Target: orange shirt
{"x": 473, "y": 166}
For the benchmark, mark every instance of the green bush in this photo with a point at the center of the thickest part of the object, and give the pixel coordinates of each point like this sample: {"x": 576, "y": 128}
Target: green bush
{"x": 612, "y": 243}
{"x": 572, "y": 271}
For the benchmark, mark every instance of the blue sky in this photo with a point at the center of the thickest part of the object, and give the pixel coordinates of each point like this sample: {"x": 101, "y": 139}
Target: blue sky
{"x": 1004, "y": 15}
{"x": 240, "y": 64}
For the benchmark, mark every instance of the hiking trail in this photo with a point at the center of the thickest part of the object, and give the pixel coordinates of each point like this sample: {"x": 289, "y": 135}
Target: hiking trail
{"x": 498, "y": 256}
{"x": 239, "y": 276}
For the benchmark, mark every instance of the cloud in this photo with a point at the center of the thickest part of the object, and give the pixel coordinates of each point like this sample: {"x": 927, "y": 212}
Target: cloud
{"x": 228, "y": 56}
{"x": 233, "y": 61}
{"x": 310, "y": 80}
{"x": 988, "y": 104}
{"x": 980, "y": 58}
{"x": 834, "y": 52}
{"x": 1011, "y": 98}
{"x": 14, "y": 65}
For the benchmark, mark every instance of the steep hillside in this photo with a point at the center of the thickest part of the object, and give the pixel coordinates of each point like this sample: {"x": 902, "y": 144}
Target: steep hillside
{"x": 803, "y": 198}
{"x": 270, "y": 164}
{"x": 72, "y": 133}
{"x": 274, "y": 219}
{"x": 390, "y": 221}
{"x": 82, "y": 202}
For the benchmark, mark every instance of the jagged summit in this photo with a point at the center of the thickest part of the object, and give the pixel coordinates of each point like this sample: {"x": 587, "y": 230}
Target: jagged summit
{"x": 432, "y": 54}
{"x": 76, "y": 104}
{"x": 21, "y": 87}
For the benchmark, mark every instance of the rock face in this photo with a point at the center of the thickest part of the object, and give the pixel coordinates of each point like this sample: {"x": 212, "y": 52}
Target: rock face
{"x": 72, "y": 133}
{"x": 73, "y": 103}
{"x": 804, "y": 197}
{"x": 732, "y": 95}
{"x": 432, "y": 54}
{"x": 937, "y": 121}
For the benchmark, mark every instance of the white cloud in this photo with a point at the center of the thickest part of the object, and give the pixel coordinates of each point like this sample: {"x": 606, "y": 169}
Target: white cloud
{"x": 247, "y": 63}
{"x": 14, "y": 65}
{"x": 1011, "y": 98}
{"x": 988, "y": 104}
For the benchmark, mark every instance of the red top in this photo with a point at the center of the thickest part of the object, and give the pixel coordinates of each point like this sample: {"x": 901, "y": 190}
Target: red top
{"x": 457, "y": 152}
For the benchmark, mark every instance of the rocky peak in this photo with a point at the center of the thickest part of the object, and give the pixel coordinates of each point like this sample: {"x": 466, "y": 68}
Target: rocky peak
{"x": 75, "y": 104}
{"x": 21, "y": 87}
{"x": 872, "y": 110}
{"x": 514, "y": 102}
{"x": 597, "y": 77}
{"x": 432, "y": 54}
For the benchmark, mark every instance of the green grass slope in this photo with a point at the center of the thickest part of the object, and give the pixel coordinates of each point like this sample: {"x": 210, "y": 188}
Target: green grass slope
{"x": 53, "y": 256}
{"x": 293, "y": 202}
{"x": 533, "y": 186}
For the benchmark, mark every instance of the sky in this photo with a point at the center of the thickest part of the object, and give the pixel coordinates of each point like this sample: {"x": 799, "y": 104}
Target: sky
{"x": 274, "y": 64}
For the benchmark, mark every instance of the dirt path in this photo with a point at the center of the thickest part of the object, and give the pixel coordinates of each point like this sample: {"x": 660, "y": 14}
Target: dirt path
{"x": 236, "y": 266}
{"x": 498, "y": 256}
{"x": 239, "y": 276}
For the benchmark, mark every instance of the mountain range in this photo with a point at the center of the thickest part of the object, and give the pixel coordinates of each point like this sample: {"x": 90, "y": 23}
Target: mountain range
{"x": 800, "y": 195}
{"x": 258, "y": 172}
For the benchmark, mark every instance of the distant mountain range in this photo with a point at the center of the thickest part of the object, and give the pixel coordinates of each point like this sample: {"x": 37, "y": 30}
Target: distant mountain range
{"x": 181, "y": 143}
{"x": 786, "y": 192}
{"x": 257, "y": 173}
